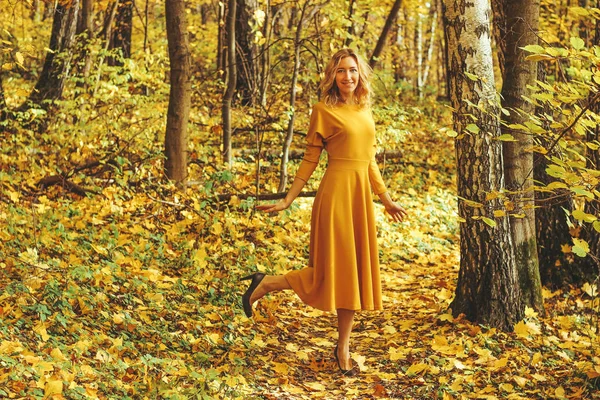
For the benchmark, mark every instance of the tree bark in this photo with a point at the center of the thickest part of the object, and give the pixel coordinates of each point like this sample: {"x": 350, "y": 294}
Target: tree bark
{"x": 283, "y": 174}
{"x": 180, "y": 93}
{"x": 351, "y": 27}
{"x": 247, "y": 79}
{"x": 86, "y": 27}
{"x": 231, "y": 81}
{"x": 487, "y": 291}
{"x": 121, "y": 35}
{"x": 384, "y": 33}
{"x": 57, "y": 64}
{"x": 522, "y": 19}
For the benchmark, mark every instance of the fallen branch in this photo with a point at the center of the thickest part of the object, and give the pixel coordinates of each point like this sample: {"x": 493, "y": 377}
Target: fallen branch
{"x": 264, "y": 196}
{"x": 65, "y": 183}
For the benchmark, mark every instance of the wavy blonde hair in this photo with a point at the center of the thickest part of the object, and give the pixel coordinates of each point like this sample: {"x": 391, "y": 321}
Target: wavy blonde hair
{"x": 330, "y": 93}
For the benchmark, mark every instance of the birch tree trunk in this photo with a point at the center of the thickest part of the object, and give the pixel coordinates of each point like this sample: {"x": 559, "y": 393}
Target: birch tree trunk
{"x": 487, "y": 291}
{"x": 180, "y": 92}
{"x": 522, "y": 20}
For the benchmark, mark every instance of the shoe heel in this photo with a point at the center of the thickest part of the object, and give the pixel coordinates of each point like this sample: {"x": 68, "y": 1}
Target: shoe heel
{"x": 247, "y": 278}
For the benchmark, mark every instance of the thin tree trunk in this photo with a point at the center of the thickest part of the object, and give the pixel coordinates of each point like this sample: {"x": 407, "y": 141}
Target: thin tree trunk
{"x": 57, "y": 64}
{"x": 428, "y": 60}
{"x": 87, "y": 26}
{"x": 522, "y": 18}
{"x": 121, "y": 35}
{"x": 446, "y": 58}
{"x": 419, "y": 55}
{"x": 180, "y": 93}
{"x": 500, "y": 31}
{"x": 221, "y": 54}
{"x": 283, "y": 174}
{"x": 384, "y": 33}
{"x": 487, "y": 291}
{"x": 231, "y": 81}
{"x": 351, "y": 27}
{"x": 108, "y": 22}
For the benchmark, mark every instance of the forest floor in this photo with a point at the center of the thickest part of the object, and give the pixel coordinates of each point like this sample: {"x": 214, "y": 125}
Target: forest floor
{"x": 134, "y": 293}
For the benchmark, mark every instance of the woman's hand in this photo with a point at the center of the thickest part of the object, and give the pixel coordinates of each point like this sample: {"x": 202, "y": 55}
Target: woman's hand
{"x": 279, "y": 206}
{"x": 396, "y": 211}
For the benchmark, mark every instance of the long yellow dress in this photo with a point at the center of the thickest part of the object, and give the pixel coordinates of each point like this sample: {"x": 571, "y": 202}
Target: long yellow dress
{"x": 343, "y": 266}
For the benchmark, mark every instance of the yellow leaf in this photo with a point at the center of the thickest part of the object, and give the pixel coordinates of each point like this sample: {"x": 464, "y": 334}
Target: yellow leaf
{"x": 501, "y": 363}
{"x": 53, "y": 387}
{"x": 507, "y": 387}
{"x": 530, "y": 312}
{"x": 217, "y": 228}
{"x": 57, "y": 354}
{"x": 521, "y": 329}
{"x": 537, "y": 357}
{"x": 522, "y": 382}
{"x": 559, "y": 392}
{"x": 40, "y": 329}
{"x": 416, "y": 369}
{"x": 281, "y": 368}
{"x": 590, "y": 290}
{"x": 499, "y": 213}
{"x": 316, "y": 386}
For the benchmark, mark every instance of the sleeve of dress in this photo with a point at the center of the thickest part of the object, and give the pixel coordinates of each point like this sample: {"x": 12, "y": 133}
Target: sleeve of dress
{"x": 314, "y": 145}
{"x": 375, "y": 176}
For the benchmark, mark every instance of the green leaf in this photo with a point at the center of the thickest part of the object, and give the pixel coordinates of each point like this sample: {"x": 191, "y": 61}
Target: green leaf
{"x": 452, "y": 133}
{"x": 507, "y": 137}
{"x": 577, "y": 43}
{"x": 580, "y": 247}
{"x": 534, "y": 48}
{"x": 489, "y": 221}
{"x": 581, "y": 215}
{"x": 597, "y": 226}
{"x": 471, "y": 76}
{"x": 472, "y": 128}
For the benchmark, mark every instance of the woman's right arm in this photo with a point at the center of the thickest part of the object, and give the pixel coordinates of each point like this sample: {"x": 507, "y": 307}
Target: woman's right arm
{"x": 287, "y": 201}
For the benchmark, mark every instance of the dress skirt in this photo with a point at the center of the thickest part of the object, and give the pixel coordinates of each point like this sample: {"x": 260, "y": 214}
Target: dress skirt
{"x": 343, "y": 266}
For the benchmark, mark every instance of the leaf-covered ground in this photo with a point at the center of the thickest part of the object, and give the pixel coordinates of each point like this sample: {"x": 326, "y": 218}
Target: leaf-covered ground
{"x": 133, "y": 292}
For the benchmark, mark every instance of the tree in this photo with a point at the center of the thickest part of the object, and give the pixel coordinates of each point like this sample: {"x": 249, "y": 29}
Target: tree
{"x": 121, "y": 35}
{"x": 305, "y": 15}
{"x": 247, "y": 78}
{"x": 384, "y": 33}
{"x": 180, "y": 93}
{"x": 57, "y": 64}
{"x": 231, "y": 81}
{"x": 521, "y": 18}
{"x": 85, "y": 27}
{"x": 487, "y": 291}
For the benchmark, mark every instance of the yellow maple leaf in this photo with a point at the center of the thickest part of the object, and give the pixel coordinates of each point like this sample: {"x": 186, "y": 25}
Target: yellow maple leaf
{"x": 416, "y": 369}
{"x": 58, "y": 355}
{"x": 281, "y": 368}
{"x": 53, "y": 387}
{"x": 316, "y": 386}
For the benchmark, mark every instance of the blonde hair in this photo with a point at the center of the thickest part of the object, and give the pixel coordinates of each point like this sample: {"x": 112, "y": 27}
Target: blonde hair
{"x": 330, "y": 92}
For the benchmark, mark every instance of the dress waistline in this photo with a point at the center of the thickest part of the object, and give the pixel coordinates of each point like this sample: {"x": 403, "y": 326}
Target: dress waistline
{"x": 347, "y": 163}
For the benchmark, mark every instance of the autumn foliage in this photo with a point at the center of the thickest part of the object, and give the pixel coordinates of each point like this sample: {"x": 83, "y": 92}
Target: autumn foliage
{"x": 116, "y": 283}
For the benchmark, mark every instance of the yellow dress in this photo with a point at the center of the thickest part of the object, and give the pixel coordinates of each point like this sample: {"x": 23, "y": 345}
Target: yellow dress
{"x": 343, "y": 266}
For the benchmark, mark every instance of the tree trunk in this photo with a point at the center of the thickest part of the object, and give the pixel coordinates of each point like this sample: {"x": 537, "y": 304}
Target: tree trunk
{"x": 283, "y": 175}
{"x": 231, "y": 81}
{"x": 221, "y": 53}
{"x": 86, "y": 27}
{"x": 487, "y": 291}
{"x": 57, "y": 64}
{"x": 384, "y": 33}
{"x": 522, "y": 19}
{"x": 351, "y": 27}
{"x": 429, "y": 58}
{"x": 247, "y": 82}
{"x": 121, "y": 35}
{"x": 3, "y": 108}
{"x": 36, "y": 11}
{"x": 500, "y": 32}
{"x": 593, "y": 162}
{"x": 180, "y": 93}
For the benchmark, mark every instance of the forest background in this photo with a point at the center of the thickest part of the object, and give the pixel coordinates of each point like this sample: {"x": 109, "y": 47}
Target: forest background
{"x": 131, "y": 161}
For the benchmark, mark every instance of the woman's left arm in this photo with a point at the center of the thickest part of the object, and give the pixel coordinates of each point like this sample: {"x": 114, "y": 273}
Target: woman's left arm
{"x": 396, "y": 211}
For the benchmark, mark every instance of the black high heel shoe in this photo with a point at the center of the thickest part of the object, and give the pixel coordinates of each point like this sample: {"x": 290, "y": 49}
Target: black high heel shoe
{"x": 256, "y": 279}
{"x": 345, "y": 372}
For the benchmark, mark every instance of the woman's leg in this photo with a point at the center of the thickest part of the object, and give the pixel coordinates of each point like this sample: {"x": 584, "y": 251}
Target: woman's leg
{"x": 270, "y": 283}
{"x": 345, "y": 320}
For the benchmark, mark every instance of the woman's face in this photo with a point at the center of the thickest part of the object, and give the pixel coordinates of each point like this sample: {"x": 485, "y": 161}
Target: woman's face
{"x": 346, "y": 77}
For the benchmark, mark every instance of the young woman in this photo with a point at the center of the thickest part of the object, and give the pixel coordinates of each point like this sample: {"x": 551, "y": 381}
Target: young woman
{"x": 343, "y": 268}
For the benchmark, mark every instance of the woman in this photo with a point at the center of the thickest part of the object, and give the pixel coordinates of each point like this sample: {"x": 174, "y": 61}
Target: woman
{"x": 343, "y": 268}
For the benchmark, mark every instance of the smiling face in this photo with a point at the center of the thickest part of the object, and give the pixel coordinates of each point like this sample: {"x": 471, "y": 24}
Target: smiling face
{"x": 346, "y": 77}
